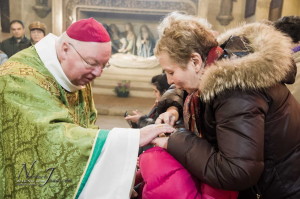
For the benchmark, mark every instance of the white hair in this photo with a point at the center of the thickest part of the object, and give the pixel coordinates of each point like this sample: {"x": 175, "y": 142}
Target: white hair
{"x": 174, "y": 16}
{"x": 64, "y": 37}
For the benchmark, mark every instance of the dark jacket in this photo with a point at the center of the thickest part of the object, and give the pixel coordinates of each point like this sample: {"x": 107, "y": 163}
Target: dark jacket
{"x": 172, "y": 97}
{"x": 11, "y": 46}
{"x": 250, "y": 121}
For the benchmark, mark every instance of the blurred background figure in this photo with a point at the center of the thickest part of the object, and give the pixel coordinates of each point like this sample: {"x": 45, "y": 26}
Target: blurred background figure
{"x": 131, "y": 40}
{"x": 159, "y": 84}
{"x": 3, "y": 57}
{"x": 290, "y": 25}
{"x": 145, "y": 42}
{"x": 37, "y": 31}
{"x": 118, "y": 40}
{"x": 107, "y": 28}
{"x": 18, "y": 41}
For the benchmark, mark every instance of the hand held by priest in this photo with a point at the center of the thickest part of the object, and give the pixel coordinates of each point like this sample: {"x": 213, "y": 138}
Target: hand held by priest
{"x": 150, "y": 132}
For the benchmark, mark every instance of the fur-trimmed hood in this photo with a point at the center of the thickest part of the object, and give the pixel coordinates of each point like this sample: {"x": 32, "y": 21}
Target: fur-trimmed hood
{"x": 268, "y": 64}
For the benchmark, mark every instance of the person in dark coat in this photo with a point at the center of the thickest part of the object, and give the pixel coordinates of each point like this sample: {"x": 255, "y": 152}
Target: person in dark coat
{"x": 244, "y": 124}
{"x": 18, "y": 41}
{"x": 3, "y": 57}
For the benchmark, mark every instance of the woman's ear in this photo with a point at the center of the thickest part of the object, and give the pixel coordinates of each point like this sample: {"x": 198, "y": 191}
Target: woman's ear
{"x": 197, "y": 60}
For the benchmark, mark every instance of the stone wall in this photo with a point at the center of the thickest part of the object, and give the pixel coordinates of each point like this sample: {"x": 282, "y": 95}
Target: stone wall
{"x": 291, "y": 7}
{"x": 238, "y": 10}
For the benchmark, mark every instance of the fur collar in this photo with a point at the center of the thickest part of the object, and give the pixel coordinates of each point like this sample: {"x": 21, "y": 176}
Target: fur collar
{"x": 269, "y": 63}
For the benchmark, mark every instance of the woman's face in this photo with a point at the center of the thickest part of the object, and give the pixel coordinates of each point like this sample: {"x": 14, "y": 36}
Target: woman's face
{"x": 186, "y": 78}
{"x": 156, "y": 93}
{"x": 36, "y": 35}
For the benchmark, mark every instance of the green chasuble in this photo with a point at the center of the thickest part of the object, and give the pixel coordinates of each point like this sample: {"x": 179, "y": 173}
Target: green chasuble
{"x": 47, "y": 135}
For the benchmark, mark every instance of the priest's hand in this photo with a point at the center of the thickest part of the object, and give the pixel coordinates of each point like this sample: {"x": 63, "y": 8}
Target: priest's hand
{"x": 148, "y": 133}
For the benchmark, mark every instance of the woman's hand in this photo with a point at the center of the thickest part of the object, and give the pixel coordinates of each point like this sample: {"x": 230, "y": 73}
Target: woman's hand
{"x": 161, "y": 142}
{"x": 135, "y": 117}
{"x": 148, "y": 133}
{"x": 168, "y": 117}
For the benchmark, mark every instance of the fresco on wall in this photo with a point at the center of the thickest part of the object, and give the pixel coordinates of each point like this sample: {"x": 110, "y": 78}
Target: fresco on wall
{"x": 129, "y": 41}
{"x": 134, "y": 34}
{"x": 141, "y": 7}
{"x": 130, "y": 45}
{"x": 132, "y": 25}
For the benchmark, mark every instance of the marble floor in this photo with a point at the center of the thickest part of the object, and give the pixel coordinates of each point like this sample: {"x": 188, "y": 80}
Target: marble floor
{"x": 111, "y": 121}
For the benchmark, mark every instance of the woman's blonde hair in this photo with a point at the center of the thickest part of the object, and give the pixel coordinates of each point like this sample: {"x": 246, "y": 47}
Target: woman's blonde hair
{"x": 181, "y": 35}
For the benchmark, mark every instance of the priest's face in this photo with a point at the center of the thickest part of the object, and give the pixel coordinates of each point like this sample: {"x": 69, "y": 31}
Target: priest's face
{"x": 85, "y": 61}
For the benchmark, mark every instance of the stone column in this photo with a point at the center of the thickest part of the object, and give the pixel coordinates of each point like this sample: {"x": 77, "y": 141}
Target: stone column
{"x": 203, "y": 8}
{"x": 13, "y": 6}
{"x": 225, "y": 14}
{"x": 57, "y": 17}
{"x": 5, "y": 15}
{"x": 262, "y": 10}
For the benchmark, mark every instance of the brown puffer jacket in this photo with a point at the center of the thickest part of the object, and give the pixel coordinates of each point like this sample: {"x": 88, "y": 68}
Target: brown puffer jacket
{"x": 250, "y": 121}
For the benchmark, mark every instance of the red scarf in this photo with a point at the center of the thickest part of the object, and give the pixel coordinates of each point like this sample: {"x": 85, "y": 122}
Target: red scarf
{"x": 191, "y": 107}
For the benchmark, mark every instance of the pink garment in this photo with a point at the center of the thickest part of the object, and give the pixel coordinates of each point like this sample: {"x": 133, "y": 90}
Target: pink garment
{"x": 166, "y": 178}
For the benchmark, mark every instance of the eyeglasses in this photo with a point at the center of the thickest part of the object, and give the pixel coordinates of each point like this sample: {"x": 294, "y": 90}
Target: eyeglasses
{"x": 89, "y": 65}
